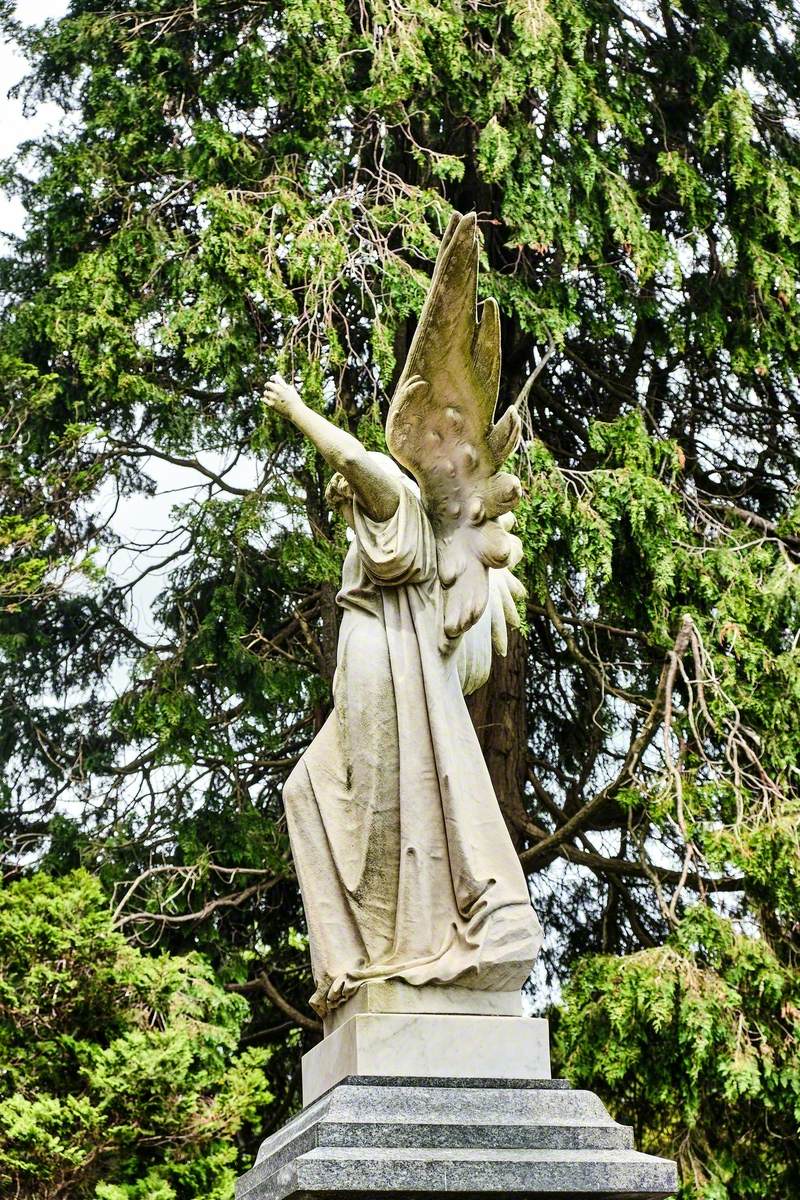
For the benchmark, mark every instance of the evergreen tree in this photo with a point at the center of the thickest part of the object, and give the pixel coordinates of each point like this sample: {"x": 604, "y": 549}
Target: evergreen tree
{"x": 244, "y": 186}
{"x": 120, "y": 1073}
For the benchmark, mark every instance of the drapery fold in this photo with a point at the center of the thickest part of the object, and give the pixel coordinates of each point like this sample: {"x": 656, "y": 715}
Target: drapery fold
{"x": 405, "y": 864}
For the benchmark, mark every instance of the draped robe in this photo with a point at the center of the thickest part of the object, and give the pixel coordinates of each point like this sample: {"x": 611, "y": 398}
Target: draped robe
{"x": 405, "y": 865}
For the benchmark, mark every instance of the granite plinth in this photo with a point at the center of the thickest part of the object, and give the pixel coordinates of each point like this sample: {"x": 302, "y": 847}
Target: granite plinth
{"x": 394, "y": 996}
{"x": 428, "y": 1045}
{"x": 404, "y": 1137}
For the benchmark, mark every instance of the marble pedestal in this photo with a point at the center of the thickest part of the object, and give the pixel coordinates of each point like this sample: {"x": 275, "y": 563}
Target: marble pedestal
{"x": 415, "y": 1092}
{"x": 416, "y": 1138}
{"x": 428, "y": 1046}
{"x": 399, "y": 997}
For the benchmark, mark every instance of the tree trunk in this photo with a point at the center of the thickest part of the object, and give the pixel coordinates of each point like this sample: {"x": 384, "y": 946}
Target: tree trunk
{"x": 499, "y": 714}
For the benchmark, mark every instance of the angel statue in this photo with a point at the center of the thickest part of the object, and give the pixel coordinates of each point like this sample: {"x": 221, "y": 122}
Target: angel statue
{"x": 405, "y": 865}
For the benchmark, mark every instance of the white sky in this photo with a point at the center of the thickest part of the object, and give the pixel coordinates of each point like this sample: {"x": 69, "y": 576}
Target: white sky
{"x": 14, "y": 126}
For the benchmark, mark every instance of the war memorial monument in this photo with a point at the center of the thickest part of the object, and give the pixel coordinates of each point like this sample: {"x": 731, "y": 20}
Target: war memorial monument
{"x": 429, "y": 1079}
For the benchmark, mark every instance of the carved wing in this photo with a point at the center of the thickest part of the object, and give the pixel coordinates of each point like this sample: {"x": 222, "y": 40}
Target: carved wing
{"x": 490, "y": 631}
{"x": 440, "y": 427}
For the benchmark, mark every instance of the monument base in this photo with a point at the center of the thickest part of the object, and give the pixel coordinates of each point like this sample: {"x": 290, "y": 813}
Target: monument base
{"x": 428, "y": 1045}
{"x": 404, "y": 1137}
{"x": 394, "y": 996}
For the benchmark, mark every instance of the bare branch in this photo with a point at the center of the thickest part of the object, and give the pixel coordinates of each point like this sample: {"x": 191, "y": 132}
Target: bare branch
{"x": 264, "y": 984}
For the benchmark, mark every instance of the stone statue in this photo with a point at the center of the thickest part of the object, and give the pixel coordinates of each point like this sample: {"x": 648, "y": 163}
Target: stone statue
{"x": 405, "y": 865}
{"x": 429, "y": 1079}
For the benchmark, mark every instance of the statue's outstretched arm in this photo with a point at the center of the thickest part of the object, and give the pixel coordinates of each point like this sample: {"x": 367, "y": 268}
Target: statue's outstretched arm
{"x": 378, "y": 492}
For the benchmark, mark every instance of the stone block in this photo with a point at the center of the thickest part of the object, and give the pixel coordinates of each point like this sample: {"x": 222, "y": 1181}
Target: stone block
{"x": 428, "y": 1045}
{"x": 399, "y": 997}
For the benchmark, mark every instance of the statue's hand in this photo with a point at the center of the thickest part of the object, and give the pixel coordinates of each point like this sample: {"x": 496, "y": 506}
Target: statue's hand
{"x": 281, "y": 396}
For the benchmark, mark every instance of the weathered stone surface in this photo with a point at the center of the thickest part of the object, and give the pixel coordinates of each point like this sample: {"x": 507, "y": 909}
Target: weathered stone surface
{"x": 404, "y": 861}
{"x": 469, "y": 1137}
{"x": 424, "y": 1044}
{"x": 397, "y": 997}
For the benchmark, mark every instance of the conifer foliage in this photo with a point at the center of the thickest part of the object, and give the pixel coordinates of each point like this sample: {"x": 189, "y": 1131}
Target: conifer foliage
{"x": 122, "y": 1076}
{"x": 241, "y": 186}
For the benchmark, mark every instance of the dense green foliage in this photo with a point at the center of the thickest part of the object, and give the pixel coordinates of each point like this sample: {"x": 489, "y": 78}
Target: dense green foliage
{"x": 244, "y": 185}
{"x": 121, "y": 1075}
{"x": 696, "y": 1041}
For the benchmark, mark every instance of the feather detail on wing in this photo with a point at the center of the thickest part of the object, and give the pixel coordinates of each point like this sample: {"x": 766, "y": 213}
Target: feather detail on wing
{"x": 440, "y": 427}
{"x": 490, "y": 631}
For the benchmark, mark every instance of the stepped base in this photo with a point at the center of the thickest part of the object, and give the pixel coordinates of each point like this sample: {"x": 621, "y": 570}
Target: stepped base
{"x": 373, "y": 1136}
